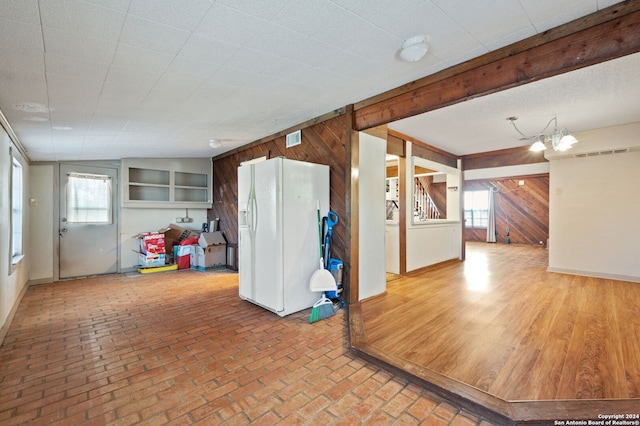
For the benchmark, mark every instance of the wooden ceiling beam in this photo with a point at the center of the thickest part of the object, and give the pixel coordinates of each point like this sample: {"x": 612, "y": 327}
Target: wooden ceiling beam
{"x": 608, "y": 34}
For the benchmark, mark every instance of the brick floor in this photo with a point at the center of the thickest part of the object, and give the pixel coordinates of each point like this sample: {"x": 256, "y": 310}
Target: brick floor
{"x": 182, "y": 348}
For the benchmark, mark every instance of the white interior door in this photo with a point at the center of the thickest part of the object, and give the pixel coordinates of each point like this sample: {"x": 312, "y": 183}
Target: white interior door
{"x": 88, "y": 234}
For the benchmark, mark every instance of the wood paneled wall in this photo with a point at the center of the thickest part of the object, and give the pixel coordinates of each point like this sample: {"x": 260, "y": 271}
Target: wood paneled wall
{"x": 322, "y": 143}
{"x": 523, "y": 208}
{"x": 505, "y": 157}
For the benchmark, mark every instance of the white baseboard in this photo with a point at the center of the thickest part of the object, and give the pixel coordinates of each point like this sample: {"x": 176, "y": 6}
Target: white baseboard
{"x": 615, "y": 277}
{"x": 41, "y": 281}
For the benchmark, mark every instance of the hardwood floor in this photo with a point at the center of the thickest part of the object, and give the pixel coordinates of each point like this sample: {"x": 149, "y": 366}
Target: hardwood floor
{"x": 500, "y": 330}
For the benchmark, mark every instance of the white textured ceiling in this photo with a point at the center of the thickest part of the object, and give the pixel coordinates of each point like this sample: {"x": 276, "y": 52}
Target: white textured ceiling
{"x": 602, "y": 95}
{"x": 159, "y": 78}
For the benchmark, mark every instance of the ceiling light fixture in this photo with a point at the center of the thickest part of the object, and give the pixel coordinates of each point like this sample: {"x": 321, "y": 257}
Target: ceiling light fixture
{"x": 560, "y": 139}
{"x": 215, "y": 143}
{"x": 414, "y": 48}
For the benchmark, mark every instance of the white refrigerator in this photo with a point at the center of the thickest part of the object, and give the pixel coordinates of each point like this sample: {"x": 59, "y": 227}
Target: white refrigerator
{"x": 278, "y": 246}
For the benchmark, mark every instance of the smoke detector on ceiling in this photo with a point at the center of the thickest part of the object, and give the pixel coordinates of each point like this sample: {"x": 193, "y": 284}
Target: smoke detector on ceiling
{"x": 414, "y": 48}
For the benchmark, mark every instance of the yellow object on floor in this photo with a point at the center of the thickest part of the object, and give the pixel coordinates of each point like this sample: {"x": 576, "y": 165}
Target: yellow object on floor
{"x": 151, "y": 270}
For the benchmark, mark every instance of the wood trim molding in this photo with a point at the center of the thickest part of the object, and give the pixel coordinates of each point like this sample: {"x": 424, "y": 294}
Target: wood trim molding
{"x": 601, "y": 36}
{"x": 250, "y": 157}
{"x": 328, "y": 116}
{"x": 497, "y": 179}
{"x": 402, "y": 213}
{"x": 395, "y": 145}
{"x": 415, "y": 141}
{"x": 504, "y": 157}
{"x": 463, "y": 239}
{"x": 379, "y": 132}
{"x": 353, "y": 191}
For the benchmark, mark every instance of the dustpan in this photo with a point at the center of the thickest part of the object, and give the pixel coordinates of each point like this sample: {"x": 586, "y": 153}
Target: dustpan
{"x": 322, "y": 279}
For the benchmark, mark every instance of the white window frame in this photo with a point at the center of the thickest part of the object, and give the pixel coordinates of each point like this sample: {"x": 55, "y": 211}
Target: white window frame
{"x": 473, "y": 223}
{"x": 77, "y": 200}
{"x": 16, "y": 253}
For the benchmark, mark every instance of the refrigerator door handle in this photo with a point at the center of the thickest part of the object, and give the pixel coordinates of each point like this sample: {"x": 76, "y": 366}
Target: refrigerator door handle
{"x": 251, "y": 211}
{"x": 254, "y": 214}
{"x": 251, "y": 202}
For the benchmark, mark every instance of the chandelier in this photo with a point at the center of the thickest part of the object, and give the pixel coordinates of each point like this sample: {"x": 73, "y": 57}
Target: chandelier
{"x": 560, "y": 139}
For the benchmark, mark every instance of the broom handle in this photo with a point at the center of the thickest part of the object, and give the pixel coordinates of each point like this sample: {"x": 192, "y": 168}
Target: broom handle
{"x": 319, "y": 229}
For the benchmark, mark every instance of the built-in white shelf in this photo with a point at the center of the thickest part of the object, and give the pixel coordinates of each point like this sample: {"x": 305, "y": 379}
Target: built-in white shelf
{"x": 167, "y": 183}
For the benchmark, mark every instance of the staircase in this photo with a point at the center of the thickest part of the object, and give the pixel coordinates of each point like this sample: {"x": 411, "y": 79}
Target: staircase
{"x": 424, "y": 208}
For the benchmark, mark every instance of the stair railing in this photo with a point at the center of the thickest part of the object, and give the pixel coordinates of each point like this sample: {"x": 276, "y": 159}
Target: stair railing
{"x": 425, "y": 208}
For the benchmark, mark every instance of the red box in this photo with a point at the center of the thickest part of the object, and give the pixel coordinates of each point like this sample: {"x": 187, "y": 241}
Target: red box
{"x": 152, "y": 243}
{"x": 183, "y": 256}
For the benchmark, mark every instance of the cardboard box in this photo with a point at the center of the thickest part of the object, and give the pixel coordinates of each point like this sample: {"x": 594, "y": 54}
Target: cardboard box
{"x": 151, "y": 260}
{"x": 174, "y": 234}
{"x": 162, "y": 241}
{"x": 152, "y": 249}
{"x": 182, "y": 256}
{"x": 211, "y": 252}
{"x": 209, "y": 257}
{"x": 211, "y": 239}
{"x": 193, "y": 257}
{"x": 152, "y": 243}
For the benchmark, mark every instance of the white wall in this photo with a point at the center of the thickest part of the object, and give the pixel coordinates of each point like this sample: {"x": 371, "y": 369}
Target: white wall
{"x": 594, "y": 226}
{"x": 392, "y": 247}
{"x": 40, "y": 223}
{"x": 12, "y": 280}
{"x": 43, "y": 244}
{"x": 371, "y": 199}
{"x": 432, "y": 243}
{"x": 429, "y": 243}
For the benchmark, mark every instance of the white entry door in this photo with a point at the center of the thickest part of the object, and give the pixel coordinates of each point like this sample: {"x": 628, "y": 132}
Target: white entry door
{"x": 88, "y": 227}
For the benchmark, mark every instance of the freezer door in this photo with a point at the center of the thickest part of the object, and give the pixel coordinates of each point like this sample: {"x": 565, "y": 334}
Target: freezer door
{"x": 259, "y": 234}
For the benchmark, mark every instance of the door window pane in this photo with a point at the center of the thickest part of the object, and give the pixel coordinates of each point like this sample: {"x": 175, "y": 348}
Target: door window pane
{"x": 89, "y": 199}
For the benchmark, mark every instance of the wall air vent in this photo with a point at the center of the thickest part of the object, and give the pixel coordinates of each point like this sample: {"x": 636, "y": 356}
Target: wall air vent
{"x": 598, "y": 153}
{"x": 294, "y": 138}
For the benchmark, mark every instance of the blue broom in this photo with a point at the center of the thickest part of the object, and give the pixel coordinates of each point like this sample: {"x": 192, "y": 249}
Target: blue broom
{"x": 322, "y": 309}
